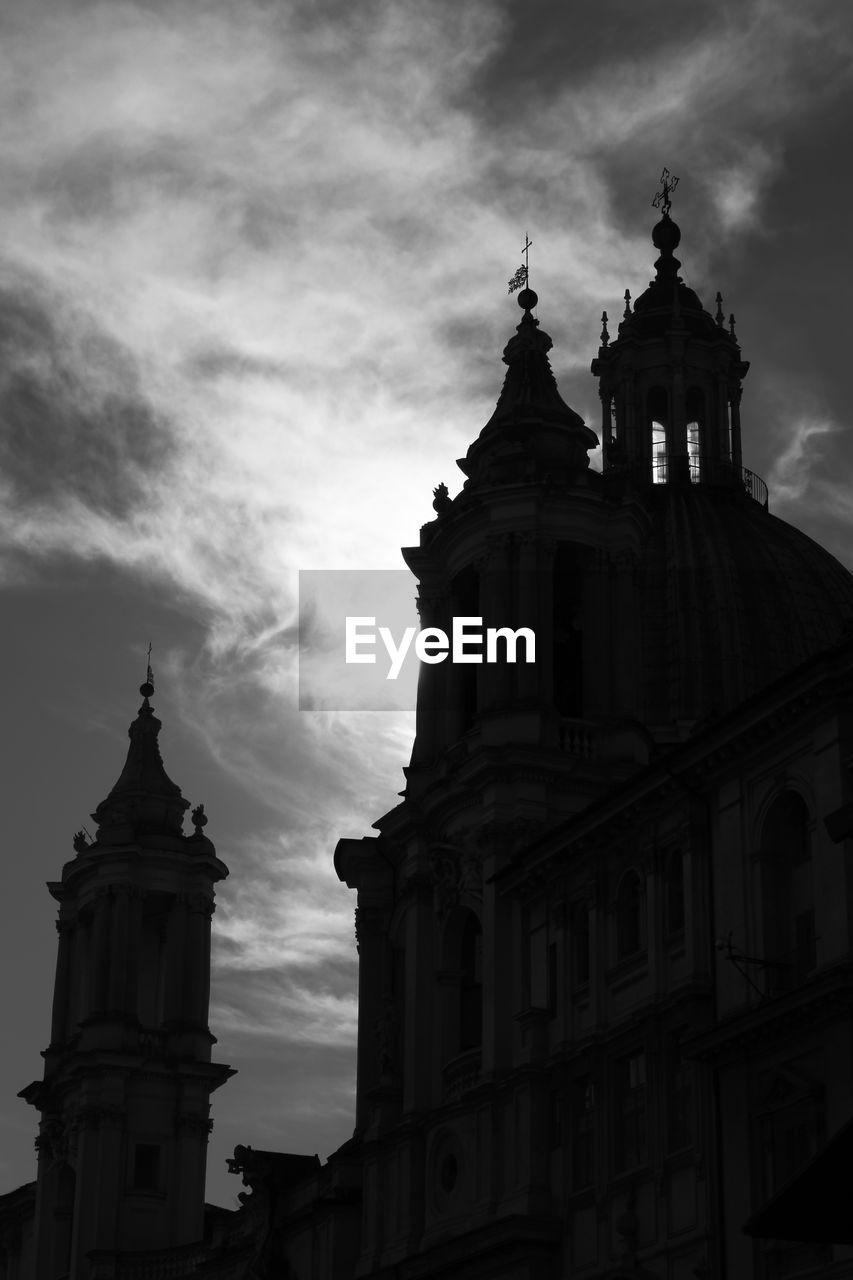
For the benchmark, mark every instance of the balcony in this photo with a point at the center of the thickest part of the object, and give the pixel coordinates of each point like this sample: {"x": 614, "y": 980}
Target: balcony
{"x": 719, "y": 473}
{"x": 461, "y": 1074}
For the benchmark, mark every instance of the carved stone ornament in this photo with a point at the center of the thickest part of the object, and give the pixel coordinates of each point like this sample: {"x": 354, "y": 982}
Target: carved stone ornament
{"x": 455, "y": 869}
{"x": 53, "y": 1140}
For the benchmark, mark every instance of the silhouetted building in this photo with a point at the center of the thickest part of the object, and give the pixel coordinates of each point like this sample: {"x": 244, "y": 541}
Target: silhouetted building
{"x": 604, "y": 940}
{"x": 125, "y": 1099}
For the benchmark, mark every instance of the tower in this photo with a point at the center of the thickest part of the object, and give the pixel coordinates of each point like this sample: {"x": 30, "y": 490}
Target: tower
{"x": 539, "y": 1090}
{"x": 124, "y": 1101}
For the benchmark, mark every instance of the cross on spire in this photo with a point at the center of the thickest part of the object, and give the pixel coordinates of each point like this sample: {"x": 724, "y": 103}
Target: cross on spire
{"x": 521, "y": 278}
{"x": 662, "y": 198}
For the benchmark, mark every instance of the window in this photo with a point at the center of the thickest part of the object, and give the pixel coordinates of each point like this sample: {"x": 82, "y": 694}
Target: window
{"x": 789, "y": 1139}
{"x": 471, "y": 985}
{"x": 630, "y": 1118}
{"x": 787, "y": 893}
{"x": 695, "y": 411}
{"x": 657, "y": 409}
{"x": 674, "y": 894}
{"x": 146, "y": 1167}
{"x": 630, "y": 916}
{"x": 679, "y": 1097}
{"x": 583, "y": 1135}
{"x": 580, "y": 944}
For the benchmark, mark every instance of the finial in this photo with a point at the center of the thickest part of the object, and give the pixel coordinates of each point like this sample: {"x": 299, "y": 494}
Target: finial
{"x": 199, "y": 818}
{"x": 732, "y": 326}
{"x": 719, "y": 317}
{"x": 522, "y": 275}
{"x": 147, "y": 688}
{"x": 605, "y": 336}
{"x": 627, "y": 312}
{"x": 662, "y": 198}
{"x": 441, "y": 498}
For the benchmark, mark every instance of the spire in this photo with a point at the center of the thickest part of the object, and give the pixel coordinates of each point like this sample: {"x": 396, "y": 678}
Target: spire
{"x": 530, "y": 388}
{"x": 144, "y": 800}
{"x": 531, "y": 424}
{"x": 670, "y": 382}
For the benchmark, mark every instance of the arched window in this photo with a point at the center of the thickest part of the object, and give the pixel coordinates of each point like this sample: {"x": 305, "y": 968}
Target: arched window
{"x": 471, "y": 984}
{"x": 657, "y": 409}
{"x": 787, "y": 892}
{"x": 630, "y": 916}
{"x": 695, "y": 414}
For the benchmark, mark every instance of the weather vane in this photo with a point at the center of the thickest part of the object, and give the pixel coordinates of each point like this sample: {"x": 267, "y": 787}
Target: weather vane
{"x": 662, "y": 199}
{"x": 519, "y": 280}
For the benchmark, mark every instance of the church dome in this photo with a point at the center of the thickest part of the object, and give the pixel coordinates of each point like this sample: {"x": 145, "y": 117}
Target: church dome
{"x": 732, "y": 599}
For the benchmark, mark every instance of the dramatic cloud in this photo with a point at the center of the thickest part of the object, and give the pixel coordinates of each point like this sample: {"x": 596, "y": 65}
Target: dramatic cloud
{"x": 253, "y": 275}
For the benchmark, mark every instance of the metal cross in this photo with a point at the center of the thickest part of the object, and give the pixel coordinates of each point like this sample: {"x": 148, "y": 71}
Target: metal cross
{"x": 668, "y": 185}
{"x": 149, "y": 674}
{"x": 526, "y": 251}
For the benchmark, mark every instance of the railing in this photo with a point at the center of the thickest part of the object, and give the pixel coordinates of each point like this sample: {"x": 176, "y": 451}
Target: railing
{"x": 577, "y": 738}
{"x": 667, "y": 468}
{"x": 154, "y": 1264}
{"x": 461, "y": 1074}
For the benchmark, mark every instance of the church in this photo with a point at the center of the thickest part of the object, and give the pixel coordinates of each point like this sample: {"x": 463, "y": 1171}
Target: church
{"x": 605, "y": 939}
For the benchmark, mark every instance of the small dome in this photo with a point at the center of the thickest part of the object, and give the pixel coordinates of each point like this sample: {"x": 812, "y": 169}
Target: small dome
{"x": 733, "y": 599}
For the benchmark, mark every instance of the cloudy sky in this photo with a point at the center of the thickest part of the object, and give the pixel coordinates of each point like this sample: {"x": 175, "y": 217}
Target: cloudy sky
{"x": 253, "y": 265}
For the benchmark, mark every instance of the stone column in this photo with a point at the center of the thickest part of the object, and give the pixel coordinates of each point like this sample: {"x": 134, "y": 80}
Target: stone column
{"x": 196, "y": 974}
{"x": 432, "y": 685}
{"x": 735, "y": 395}
{"x": 135, "y": 906}
{"x": 495, "y": 680}
{"x": 119, "y": 930}
{"x": 371, "y": 937}
{"x": 99, "y": 953}
{"x": 59, "y": 1027}
{"x": 419, "y": 997}
{"x": 173, "y": 994}
{"x": 534, "y": 683}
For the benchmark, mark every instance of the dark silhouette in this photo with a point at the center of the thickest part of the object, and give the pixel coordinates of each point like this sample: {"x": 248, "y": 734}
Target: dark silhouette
{"x": 604, "y": 939}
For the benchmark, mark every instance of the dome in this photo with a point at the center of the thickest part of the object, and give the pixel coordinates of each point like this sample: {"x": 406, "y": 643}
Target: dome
{"x": 654, "y": 310}
{"x": 732, "y": 599}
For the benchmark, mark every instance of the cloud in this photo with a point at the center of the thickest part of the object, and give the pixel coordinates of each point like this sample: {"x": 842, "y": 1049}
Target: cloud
{"x": 253, "y": 307}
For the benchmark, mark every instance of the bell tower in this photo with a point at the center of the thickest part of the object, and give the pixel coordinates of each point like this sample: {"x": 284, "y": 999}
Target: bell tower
{"x": 125, "y": 1098}
{"x": 670, "y": 382}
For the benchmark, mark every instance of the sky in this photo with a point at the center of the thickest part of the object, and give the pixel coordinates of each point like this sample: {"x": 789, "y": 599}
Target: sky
{"x": 253, "y": 297}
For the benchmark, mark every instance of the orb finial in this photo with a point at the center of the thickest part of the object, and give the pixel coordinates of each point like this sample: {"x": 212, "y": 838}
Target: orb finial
{"x": 147, "y": 687}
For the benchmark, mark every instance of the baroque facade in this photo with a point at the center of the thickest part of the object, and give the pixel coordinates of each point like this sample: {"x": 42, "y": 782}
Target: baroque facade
{"x": 605, "y": 963}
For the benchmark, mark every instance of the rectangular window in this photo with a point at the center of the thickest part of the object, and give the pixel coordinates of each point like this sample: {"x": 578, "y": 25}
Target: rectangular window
{"x": 805, "y": 948}
{"x": 631, "y": 1107}
{"x": 583, "y": 1133}
{"x": 146, "y": 1167}
{"x": 555, "y": 1119}
{"x": 679, "y": 1098}
{"x": 789, "y": 1140}
{"x": 580, "y": 944}
{"x": 552, "y": 979}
